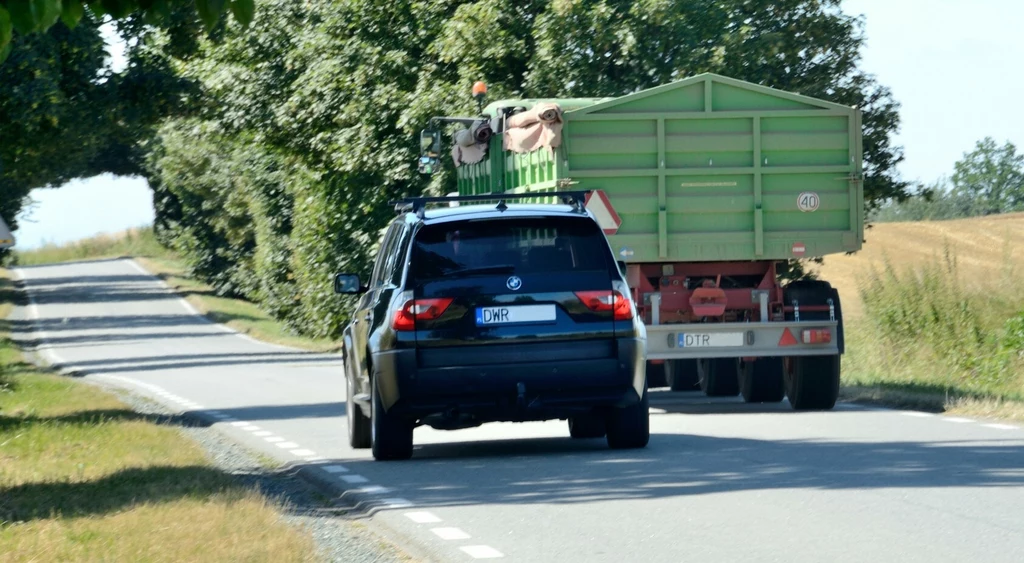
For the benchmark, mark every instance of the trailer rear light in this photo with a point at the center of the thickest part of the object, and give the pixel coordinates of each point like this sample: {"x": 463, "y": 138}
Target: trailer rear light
{"x": 614, "y": 301}
{"x": 419, "y": 310}
{"x": 817, "y": 336}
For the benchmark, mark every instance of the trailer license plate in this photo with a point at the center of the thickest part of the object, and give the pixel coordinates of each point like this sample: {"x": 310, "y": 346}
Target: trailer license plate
{"x": 712, "y": 340}
{"x": 515, "y": 315}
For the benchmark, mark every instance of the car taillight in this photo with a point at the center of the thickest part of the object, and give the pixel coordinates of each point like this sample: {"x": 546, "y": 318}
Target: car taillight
{"x": 619, "y": 304}
{"x": 419, "y": 310}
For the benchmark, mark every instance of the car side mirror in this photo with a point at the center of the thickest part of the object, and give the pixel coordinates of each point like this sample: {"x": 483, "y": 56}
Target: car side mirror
{"x": 622, "y": 267}
{"x": 430, "y": 150}
{"x": 348, "y": 284}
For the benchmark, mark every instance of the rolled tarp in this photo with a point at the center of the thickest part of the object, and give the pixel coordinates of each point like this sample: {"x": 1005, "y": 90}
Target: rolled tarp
{"x": 539, "y": 127}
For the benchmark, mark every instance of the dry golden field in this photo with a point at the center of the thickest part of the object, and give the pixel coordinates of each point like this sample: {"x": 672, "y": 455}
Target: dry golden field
{"x": 989, "y": 252}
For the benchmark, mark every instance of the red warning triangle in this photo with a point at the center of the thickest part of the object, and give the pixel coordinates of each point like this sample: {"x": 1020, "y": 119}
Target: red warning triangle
{"x": 787, "y": 339}
{"x": 603, "y": 211}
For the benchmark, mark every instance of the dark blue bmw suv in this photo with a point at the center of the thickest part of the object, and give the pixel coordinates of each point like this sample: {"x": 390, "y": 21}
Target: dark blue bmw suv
{"x": 493, "y": 312}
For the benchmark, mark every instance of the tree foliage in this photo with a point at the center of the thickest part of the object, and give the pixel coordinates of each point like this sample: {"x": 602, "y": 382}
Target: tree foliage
{"x": 39, "y": 16}
{"x": 987, "y": 180}
{"x": 306, "y": 122}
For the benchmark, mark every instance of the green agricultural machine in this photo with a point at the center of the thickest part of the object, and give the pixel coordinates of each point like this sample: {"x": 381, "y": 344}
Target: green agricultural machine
{"x": 705, "y": 188}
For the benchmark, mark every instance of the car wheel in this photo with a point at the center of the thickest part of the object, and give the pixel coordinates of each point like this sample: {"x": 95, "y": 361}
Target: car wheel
{"x": 391, "y": 436}
{"x": 718, "y": 377}
{"x": 358, "y": 423}
{"x": 587, "y": 426}
{"x": 812, "y": 382}
{"x": 761, "y": 381}
{"x": 681, "y": 375}
{"x": 630, "y": 427}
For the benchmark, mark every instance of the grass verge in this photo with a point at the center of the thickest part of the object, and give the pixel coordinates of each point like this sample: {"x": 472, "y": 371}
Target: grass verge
{"x": 83, "y": 477}
{"x": 928, "y": 340}
{"x": 141, "y": 244}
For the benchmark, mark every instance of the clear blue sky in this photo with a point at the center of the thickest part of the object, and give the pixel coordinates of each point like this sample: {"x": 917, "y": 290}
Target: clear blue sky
{"x": 953, "y": 65}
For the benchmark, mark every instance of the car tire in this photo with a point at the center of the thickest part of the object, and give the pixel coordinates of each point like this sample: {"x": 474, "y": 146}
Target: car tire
{"x": 391, "y": 436}
{"x": 681, "y": 375}
{"x": 656, "y": 375}
{"x": 718, "y": 377}
{"x": 359, "y": 433}
{"x": 812, "y": 382}
{"x": 587, "y": 426}
{"x": 630, "y": 427}
{"x": 762, "y": 381}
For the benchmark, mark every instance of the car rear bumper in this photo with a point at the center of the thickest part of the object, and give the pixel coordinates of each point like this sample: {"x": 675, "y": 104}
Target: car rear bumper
{"x": 520, "y": 382}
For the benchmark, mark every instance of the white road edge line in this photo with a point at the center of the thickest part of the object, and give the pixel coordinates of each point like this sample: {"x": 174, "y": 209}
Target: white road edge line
{"x": 450, "y": 533}
{"x": 1001, "y": 426}
{"x": 482, "y": 552}
{"x": 916, "y": 414}
{"x": 422, "y": 517}
{"x": 335, "y": 468}
{"x": 956, "y": 419}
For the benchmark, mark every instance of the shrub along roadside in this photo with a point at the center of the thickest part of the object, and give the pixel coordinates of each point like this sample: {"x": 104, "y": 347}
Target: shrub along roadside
{"x": 82, "y": 476}
{"x": 926, "y": 340}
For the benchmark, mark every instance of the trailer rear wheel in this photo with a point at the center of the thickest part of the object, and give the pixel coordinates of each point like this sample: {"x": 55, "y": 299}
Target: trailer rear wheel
{"x": 762, "y": 381}
{"x": 718, "y": 377}
{"x": 656, "y": 374}
{"x": 681, "y": 375}
{"x": 812, "y": 382}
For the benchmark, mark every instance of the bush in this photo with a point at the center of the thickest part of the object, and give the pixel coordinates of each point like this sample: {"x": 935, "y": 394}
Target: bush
{"x": 928, "y": 322}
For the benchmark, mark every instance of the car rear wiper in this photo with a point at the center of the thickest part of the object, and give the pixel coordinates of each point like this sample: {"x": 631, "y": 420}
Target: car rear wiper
{"x": 496, "y": 269}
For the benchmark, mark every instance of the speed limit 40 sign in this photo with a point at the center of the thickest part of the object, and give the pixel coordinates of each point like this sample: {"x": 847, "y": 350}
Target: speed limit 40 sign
{"x": 808, "y": 201}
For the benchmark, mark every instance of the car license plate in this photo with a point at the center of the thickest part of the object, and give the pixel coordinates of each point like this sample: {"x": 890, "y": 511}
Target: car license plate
{"x": 517, "y": 314}
{"x": 710, "y": 340}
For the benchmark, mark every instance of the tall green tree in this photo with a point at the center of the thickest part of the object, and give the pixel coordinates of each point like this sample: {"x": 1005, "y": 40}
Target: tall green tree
{"x": 992, "y": 177}
{"x": 39, "y": 16}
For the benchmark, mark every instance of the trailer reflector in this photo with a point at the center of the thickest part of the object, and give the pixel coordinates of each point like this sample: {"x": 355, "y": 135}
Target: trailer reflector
{"x": 788, "y": 339}
{"x": 817, "y": 336}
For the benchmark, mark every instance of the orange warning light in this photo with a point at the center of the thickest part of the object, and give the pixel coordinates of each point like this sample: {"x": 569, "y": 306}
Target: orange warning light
{"x": 479, "y": 88}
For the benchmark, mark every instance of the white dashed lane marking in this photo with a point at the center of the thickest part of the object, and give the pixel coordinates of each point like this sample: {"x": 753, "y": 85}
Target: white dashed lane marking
{"x": 354, "y": 479}
{"x": 374, "y": 490}
{"x": 956, "y": 419}
{"x": 482, "y": 552}
{"x": 422, "y": 517}
{"x": 335, "y": 468}
{"x": 302, "y": 453}
{"x": 274, "y": 439}
{"x": 262, "y": 433}
{"x": 450, "y": 533}
{"x": 1000, "y": 426}
{"x": 287, "y": 445}
{"x": 240, "y": 423}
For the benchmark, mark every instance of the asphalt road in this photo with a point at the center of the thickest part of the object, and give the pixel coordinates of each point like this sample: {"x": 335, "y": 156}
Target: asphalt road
{"x": 720, "y": 481}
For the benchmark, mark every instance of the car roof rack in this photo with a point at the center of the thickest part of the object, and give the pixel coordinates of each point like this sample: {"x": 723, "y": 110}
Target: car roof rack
{"x": 417, "y": 205}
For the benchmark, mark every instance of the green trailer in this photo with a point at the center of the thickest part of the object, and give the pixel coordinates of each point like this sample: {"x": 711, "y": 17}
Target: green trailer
{"x": 704, "y": 187}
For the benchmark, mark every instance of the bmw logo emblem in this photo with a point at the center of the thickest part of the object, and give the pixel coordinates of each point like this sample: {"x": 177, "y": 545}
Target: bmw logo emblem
{"x": 514, "y": 283}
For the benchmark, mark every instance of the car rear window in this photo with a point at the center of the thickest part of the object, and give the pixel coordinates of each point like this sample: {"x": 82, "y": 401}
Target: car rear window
{"x": 524, "y": 245}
